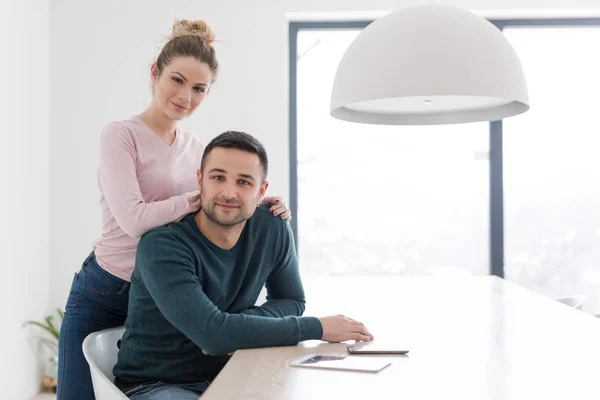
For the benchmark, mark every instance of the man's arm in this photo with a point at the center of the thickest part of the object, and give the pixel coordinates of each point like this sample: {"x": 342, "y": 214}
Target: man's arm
{"x": 285, "y": 294}
{"x": 166, "y": 267}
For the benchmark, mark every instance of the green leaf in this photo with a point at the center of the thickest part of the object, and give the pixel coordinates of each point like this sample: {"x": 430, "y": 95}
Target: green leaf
{"x": 51, "y": 327}
{"x": 44, "y": 327}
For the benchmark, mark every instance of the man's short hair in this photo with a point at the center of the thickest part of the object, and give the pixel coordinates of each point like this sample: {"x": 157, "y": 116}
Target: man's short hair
{"x": 240, "y": 141}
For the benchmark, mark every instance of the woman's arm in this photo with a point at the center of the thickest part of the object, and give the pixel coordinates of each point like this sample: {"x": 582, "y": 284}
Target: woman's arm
{"x": 119, "y": 184}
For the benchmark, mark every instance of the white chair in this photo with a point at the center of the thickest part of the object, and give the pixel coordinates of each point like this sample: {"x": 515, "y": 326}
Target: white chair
{"x": 100, "y": 351}
{"x": 574, "y": 301}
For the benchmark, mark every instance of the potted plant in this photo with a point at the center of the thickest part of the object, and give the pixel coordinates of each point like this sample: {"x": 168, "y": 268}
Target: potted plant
{"x": 49, "y": 327}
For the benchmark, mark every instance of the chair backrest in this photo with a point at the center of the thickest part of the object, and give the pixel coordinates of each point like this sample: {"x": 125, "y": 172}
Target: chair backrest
{"x": 100, "y": 351}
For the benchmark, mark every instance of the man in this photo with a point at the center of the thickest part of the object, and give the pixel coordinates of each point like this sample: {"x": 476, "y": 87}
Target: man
{"x": 196, "y": 282}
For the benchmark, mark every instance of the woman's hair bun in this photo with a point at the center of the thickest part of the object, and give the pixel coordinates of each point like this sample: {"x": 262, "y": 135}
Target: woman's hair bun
{"x": 193, "y": 28}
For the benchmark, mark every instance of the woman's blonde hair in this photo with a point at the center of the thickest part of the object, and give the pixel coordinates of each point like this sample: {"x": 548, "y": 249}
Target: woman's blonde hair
{"x": 189, "y": 39}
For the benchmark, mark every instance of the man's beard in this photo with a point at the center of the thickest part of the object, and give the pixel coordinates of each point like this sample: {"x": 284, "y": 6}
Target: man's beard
{"x": 234, "y": 217}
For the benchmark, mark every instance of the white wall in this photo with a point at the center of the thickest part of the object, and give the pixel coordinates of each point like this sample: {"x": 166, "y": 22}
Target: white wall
{"x": 24, "y": 264}
{"x": 101, "y": 52}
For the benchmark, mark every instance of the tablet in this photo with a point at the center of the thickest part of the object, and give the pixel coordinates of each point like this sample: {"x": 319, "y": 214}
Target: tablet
{"x": 359, "y": 364}
{"x": 375, "y": 348}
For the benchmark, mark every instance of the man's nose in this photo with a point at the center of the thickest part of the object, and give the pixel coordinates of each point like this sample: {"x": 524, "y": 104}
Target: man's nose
{"x": 229, "y": 192}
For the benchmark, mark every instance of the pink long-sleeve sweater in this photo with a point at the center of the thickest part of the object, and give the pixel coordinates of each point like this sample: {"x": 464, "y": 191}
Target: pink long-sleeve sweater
{"x": 144, "y": 183}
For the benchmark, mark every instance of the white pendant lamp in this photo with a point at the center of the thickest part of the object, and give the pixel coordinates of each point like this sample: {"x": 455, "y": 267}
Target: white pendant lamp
{"x": 429, "y": 65}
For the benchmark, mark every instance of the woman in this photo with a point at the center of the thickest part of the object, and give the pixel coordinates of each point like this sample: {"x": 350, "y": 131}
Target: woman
{"x": 147, "y": 179}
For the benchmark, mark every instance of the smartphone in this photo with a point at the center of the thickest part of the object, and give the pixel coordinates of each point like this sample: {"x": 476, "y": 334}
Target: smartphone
{"x": 373, "y": 347}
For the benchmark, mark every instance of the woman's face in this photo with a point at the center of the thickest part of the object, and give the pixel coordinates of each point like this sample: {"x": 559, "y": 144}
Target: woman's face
{"x": 181, "y": 87}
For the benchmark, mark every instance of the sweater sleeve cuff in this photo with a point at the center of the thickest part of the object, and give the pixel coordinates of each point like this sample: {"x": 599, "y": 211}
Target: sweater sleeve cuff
{"x": 311, "y": 328}
{"x": 186, "y": 203}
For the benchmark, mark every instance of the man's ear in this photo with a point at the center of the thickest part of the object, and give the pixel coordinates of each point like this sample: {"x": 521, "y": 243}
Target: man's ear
{"x": 199, "y": 178}
{"x": 263, "y": 190}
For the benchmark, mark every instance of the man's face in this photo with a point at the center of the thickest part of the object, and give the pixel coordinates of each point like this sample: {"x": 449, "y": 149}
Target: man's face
{"x": 231, "y": 186}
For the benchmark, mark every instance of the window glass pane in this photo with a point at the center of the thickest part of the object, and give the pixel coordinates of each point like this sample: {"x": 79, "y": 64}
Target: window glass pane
{"x": 552, "y": 168}
{"x": 384, "y": 200}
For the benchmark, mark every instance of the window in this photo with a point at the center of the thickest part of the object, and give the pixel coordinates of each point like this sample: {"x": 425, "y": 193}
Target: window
{"x": 419, "y": 200}
{"x": 552, "y": 167}
{"x": 384, "y": 200}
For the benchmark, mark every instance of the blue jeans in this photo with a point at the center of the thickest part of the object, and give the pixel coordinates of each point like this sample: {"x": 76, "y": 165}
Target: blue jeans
{"x": 166, "y": 391}
{"x": 98, "y": 300}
